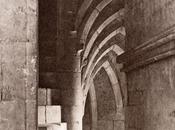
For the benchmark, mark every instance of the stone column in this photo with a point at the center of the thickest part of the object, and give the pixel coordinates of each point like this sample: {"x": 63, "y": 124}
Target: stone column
{"x": 18, "y": 60}
{"x": 69, "y": 77}
{"x": 72, "y": 98}
{"x": 149, "y": 63}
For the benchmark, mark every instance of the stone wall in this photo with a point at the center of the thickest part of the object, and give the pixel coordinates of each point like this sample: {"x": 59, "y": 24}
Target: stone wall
{"x": 18, "y": 64}
{"x": 149, "y": 64}
{"x": 151, "y": 97}
{"x": 147, "y": 18}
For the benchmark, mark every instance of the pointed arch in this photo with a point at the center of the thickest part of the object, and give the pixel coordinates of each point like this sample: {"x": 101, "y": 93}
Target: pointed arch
{"x": 81, "y": 12}
{"x": 118, "y": 15}
{"x": 120, "y": 30}
{"x": 92, "y": 19}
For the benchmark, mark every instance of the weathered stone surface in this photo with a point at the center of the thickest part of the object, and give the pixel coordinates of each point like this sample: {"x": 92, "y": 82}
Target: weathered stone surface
{"x": 7, "y": 116}
{"x": 13, "y": 16}
{"x": 158, "y": 101}
{"x": 146, "y": 19}
{"x": 31, "y": 71}
{"x": 18, "y": 80}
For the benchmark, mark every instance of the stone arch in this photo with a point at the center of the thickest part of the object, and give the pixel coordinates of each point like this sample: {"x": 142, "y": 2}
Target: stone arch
{"x": 93, "y": 104}
{"x": 118, "y": 15}
{"x": 92, "y": 19}
{"x": 116, "y": 90}
{"x": 87, "y": 78}
{"x": 90, "y": 109}
{"x": 87, "y": 81}
{"x": 115, "y": 48}
{"x": 81, "y": 12}
{"x": 113, "y": 79}
{"x": 116, "y": 32}
{"x": 114, "y": 82}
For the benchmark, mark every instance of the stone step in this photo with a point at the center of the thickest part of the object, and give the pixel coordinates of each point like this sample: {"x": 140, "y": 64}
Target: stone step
{"x": 49, "y": 115}
{"x": 61, "y": 126}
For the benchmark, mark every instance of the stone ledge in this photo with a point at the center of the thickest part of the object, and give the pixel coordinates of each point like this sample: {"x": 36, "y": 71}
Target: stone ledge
{"x": 159, "y": 47}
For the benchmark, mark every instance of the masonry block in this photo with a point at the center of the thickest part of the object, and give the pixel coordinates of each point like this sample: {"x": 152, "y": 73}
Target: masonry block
{"x": 41, "y": 115}
{"x": 54, "y": 127}
{"x": 53, "y": 114}
{"x": 48, "y": 96}
{"x": 63, "y": 126}
{"x": 42, "y": 97}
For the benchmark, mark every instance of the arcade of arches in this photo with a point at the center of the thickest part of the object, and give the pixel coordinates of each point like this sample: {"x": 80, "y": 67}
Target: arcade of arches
{"x": 109, "y": 64}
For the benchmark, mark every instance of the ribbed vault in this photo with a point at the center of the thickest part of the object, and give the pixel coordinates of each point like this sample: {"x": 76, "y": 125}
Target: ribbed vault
{"x": 100, "y": 26}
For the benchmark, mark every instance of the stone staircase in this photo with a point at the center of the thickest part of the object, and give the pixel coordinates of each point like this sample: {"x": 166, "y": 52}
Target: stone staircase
{"x": 49, "y": 116}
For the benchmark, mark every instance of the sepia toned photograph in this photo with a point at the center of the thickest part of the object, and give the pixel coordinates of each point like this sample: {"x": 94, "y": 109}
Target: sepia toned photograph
{"x": 87, "y": 64}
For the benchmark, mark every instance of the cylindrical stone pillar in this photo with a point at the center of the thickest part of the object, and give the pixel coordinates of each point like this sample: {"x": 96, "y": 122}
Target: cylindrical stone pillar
{"x": 149, "y": 63}
{"x": 18, "y": 60}
{"x": 72, "y": 97}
